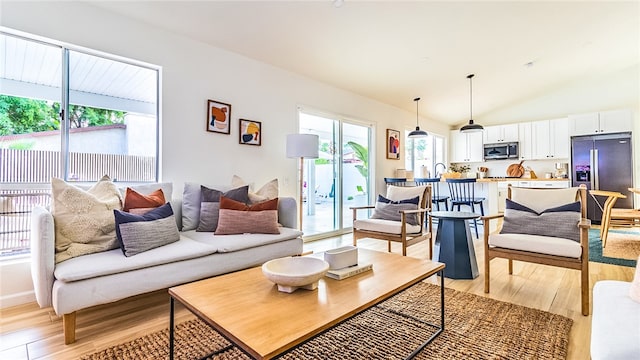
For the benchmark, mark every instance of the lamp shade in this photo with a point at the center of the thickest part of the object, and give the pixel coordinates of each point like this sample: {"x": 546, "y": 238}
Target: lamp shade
{"x": 302, "y": 145}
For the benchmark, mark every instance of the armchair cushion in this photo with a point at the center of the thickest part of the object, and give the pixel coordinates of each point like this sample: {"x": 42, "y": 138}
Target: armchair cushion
{"x": 538, "y": 244}
{"x": 385, "y": 226}
{"x": 560, "y": 222}
{"x": 387, "y": 209}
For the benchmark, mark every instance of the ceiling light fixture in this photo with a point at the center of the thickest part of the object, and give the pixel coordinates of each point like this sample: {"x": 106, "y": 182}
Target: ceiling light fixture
{"x": 417, "y": 133}
{"x": 338, "y": 3}
{"x": 471, "y": 127}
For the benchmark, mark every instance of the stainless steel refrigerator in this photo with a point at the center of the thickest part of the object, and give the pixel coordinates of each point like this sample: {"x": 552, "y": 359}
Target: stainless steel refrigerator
{"x": 603, "y": 162}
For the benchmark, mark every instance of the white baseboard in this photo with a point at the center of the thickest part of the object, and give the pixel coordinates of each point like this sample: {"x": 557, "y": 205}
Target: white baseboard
{"x": 17, "y": 299}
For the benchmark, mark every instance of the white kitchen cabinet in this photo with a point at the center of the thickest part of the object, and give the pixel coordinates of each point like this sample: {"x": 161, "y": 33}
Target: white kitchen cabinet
{"x": 525, "y": 146}
{"x": 466, "y": 147}
{"x": 550, "y": 139}
{"x": 500, "y": 133}
{"x": 601, "y": 122}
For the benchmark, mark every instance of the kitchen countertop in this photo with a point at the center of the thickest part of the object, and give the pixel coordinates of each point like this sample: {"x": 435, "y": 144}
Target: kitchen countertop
{"x": 518, "y": 179}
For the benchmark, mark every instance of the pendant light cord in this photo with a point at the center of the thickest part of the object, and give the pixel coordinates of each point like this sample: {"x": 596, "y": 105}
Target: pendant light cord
{"x": 470, "y": 77}
{"x": 417, "y": 100}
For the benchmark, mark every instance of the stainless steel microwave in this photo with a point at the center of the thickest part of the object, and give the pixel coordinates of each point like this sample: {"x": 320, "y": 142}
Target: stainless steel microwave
{"x": 507, "y": 150}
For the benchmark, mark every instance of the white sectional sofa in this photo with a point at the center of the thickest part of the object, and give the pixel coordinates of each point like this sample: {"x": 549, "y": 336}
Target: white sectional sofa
{"x": 615, "y": 323}
{"x": 105, "y": 277}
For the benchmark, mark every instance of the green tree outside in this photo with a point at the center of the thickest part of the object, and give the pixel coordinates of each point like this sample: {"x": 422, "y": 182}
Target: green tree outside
{"x": 22, "y": 116}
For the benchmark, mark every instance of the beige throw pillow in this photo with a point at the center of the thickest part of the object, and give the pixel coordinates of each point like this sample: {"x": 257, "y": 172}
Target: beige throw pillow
{"x": 268, "y": 191}
{"x": 84, "y": 220}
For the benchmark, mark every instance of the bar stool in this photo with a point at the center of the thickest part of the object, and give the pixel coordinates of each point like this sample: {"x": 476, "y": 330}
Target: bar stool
{"x": 395, "y": 181}
{"x": 462, "y": 192}
{"x": 436, "y": 198}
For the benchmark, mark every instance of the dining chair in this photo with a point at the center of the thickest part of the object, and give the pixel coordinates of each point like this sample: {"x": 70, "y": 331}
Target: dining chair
{"x": 462, "y": 192}
{"x": 436, "y": 197}
{"x": 395, "y": 181}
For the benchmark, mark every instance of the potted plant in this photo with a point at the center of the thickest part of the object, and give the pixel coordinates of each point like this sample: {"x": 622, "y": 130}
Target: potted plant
{"x": 456, "y": 171}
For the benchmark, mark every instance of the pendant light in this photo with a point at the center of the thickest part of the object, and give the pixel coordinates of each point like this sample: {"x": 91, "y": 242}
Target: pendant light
{"x": 471, "y": 127}
{"x": 417, "y": 133}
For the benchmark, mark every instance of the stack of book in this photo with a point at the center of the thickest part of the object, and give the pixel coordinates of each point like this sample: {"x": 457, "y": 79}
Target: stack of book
{"x": 349, "y": 271}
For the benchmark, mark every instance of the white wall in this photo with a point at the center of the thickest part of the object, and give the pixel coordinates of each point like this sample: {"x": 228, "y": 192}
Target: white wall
{"x": 193, "y": 72}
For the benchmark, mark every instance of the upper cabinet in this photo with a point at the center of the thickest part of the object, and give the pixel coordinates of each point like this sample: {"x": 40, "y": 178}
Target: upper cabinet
{"x": 466, "y": 147}
{"x": 525, "y": 137}
{"x": 550, "y": 139}
{"x": 500, "y": 133}
{"x": 601, "y": 122}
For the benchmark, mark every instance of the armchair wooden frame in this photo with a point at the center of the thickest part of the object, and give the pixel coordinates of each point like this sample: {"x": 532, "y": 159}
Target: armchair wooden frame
{"x": 406, "y": 239}
{"x": 581, "y": 264}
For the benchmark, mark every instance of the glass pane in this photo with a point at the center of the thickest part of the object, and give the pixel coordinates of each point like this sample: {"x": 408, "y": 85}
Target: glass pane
{"x": 355, "y": 169}
{"x": 319, "y": 186}
{"x": 30, "y": 81}
{"x": 113, "y": 127}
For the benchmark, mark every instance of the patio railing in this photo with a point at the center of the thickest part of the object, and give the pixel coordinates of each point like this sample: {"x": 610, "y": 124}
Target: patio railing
{"x": 15, "y": 218}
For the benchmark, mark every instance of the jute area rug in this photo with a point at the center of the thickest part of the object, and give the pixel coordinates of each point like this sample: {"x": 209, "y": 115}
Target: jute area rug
{"x": 475, "y": 328}
{"x": 623, "y": 244}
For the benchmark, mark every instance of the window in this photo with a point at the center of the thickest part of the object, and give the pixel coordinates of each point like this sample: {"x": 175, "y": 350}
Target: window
{"x": 421, "y": 155}
{"x": 70, "y": 113}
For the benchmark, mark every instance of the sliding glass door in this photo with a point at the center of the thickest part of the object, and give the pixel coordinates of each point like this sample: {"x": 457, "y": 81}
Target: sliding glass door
{"x": 339, "y": 178}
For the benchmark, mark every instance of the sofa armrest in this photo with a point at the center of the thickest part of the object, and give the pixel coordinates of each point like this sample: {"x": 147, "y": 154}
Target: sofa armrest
{"x": 42, "y": 254}
{"x": 288, "y": 212}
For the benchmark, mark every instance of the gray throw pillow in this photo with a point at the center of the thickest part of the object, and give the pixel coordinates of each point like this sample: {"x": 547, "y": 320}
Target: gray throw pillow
{"x": 210, "y": 205}
{"x": 390, "y": 210}
{"x": 139, "y": 233}
{"x": 560, "y": 222}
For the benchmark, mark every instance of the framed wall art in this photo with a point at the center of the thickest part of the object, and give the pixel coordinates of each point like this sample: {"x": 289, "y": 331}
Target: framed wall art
{"x": 393, "y": 144}
{"x": 218, "y": 117}
{"x": 250, "y": 132}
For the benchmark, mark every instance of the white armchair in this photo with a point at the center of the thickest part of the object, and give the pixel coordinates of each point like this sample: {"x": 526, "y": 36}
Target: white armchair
{"x": 551, "y": 229}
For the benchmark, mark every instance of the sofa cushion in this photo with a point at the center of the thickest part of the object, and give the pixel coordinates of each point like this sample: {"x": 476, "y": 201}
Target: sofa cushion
{"x": 634, "y": 289}
{"x": 191, "y": 200}
{"x": 139, "y": 233}
{"x": 615, "y": 334}
{"x": 536, "y": 243}
{"x": 239, "y": 218}
{"x": 84, "y": 222}
{"x": 112, "y": 262}
{"x": 561, "y": 221}
{"x": 267, "y": 192}
{"x": 210, "y": 206}
{"x": 230, "y": 243}
{"x": 141, "y": 203}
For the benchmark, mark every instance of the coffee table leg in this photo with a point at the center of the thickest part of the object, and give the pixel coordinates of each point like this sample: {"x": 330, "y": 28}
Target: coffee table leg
{"x": 441, "y": 328}
{"x": 171, "y": 315}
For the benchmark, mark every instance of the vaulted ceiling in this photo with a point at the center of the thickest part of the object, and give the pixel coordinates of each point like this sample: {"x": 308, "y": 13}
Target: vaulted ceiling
{"x": 394, "y": 51}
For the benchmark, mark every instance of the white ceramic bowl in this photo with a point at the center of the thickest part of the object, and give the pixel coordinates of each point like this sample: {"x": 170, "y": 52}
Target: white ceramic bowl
{"x": 291, "y": 273}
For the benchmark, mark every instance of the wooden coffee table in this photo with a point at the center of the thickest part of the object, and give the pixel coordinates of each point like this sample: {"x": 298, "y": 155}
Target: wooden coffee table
{"x": 249, "y": 311}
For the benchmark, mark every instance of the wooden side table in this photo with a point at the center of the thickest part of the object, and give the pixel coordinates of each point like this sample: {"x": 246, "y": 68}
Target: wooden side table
{"x": 454, "y": 244}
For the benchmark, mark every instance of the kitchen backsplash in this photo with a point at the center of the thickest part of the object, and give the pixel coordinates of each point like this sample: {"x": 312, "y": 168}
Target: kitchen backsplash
{"x": 498, "y": 168}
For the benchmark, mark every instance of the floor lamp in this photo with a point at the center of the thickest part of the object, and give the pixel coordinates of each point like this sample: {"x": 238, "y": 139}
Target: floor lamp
{"x": 302, "y": 146}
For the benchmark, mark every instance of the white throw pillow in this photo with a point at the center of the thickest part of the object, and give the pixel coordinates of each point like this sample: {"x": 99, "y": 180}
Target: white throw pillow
{"x": 84, "y": 220}
{"x": 397, "y": 193}
{"x": 268, "y": 191}
{"x": 634, "y": 290}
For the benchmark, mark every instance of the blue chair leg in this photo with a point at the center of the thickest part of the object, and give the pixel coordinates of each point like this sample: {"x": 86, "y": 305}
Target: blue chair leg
{"x": 475, "y": 221}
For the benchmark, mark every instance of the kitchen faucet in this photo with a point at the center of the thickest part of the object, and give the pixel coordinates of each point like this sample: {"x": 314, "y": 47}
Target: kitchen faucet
{"x": 435, "y": 169}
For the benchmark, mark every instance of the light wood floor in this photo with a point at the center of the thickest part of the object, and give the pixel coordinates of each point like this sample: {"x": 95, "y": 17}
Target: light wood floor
{"x": 28, "y": 332}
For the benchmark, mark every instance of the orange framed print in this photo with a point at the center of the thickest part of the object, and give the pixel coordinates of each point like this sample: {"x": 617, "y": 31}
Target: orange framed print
{"x": 218, "y": 117}
{"x": 393, "y": 144}
{"x": 250, "y": 132}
